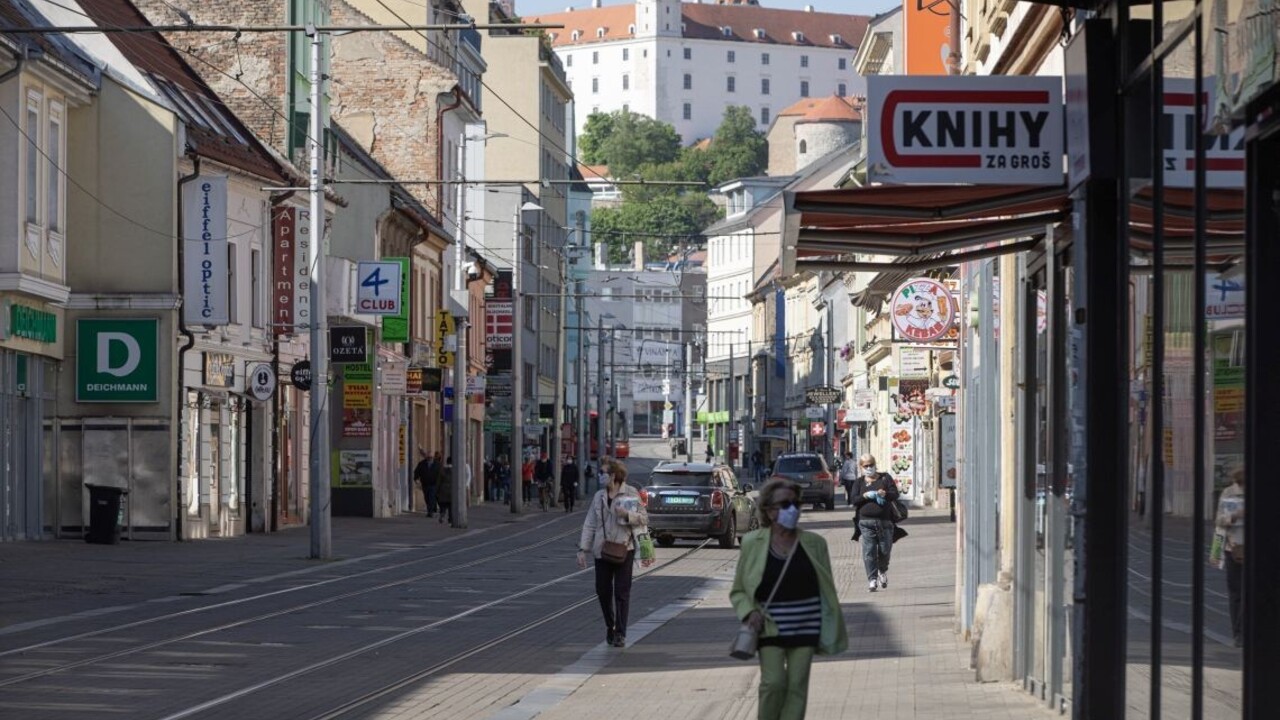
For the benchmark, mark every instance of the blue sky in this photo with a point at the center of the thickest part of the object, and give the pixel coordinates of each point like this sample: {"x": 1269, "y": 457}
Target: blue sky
{"x": 867, "y": 7}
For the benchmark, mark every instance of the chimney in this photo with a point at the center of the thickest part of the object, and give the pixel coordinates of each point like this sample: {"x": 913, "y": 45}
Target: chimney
{"x": 807, "y": 8}
{"x": 639, "y": 255}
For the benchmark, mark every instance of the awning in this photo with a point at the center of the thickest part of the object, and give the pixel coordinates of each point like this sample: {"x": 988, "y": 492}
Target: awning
{"x": 921, "y": 226}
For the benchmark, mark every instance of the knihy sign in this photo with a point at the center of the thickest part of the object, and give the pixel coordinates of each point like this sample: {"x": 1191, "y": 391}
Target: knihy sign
{"x": 988, "y": 130}
{"x": 922, "y": 309}
{"x": 116, "y": 361}
{"x": 378, "y": 288}
{"x": 204, "y": 258}
{"x": 261, "y": 381}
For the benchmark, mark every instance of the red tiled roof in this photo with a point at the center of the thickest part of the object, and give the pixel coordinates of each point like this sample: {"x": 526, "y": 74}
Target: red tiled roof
{"x": 832, "y": 109}
{"x": 593, "y": 172}
{"x": 707, "y": 22}
{"x": 152, "y": 54}
{"x": 805, "y": 106}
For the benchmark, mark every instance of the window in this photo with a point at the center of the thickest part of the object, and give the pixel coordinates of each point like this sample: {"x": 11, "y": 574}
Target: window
{"x": 842, "y": 90}
{"x": 595, "y": 85}
{"x": 732, "y": 56}
{"x": 33, "y": 159}
{"x": 842, "y": 63}
{"x": 804, "y": 61}
{"x": 568, "y": 60}
{"x": 631, "y": 29}
{"x": 529, "y": 312}
{"x": 599, "y": 32}
{"x": 255, "y": 286}
{"x": 729, "y": 83}
{"x": 837, "y": 40}
{"x": 688, "y": 81}
{"x": 764, "y": 116}
{"x": 233, "y": 297}
{"x": 804, "y": 147}
{"x": 53, "y": 178}
{"x": 626, "y": 53}
{"x": 726, "y": 31}
{"x": 688, "y": 53}
{"x": 764, "y": 86}
{"x": 595, "y": 57}
{"x": 626, "y": 82}
{"x": 688, "y": 111}
{"x": 804, "y": 88}
{"x": 764, "y": 58}
{"x": 575, "y": 35}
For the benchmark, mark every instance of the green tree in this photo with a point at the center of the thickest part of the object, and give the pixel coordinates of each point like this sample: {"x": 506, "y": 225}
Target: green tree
{"x": 625, "y": 141}
{"x": 595, "y": 133}
{"x": 737, "y": 149}
{"x": 663, "y": 222}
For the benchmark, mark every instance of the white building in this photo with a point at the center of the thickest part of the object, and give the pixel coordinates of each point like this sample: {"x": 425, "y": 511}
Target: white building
{"x": 684, "y": 63}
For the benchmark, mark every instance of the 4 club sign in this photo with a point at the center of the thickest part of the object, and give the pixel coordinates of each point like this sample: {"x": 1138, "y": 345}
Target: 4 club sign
{"x": 922, "y": 310}
{"x": 979, "y": 130}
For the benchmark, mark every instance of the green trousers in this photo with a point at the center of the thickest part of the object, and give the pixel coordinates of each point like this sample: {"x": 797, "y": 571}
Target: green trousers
{"x": 784, "y": 682}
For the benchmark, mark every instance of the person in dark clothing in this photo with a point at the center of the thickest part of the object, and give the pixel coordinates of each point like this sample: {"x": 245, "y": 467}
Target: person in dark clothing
{"x": 875, "y": 521}
{"x": 444, "y": 491}
{"x": 569, "y": 479}
{"x": 545, "y": 475}
{"x": 421, "y": 475}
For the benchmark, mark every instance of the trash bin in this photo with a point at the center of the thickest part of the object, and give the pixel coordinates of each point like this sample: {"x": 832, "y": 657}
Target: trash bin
{"x": 104, "y": 514}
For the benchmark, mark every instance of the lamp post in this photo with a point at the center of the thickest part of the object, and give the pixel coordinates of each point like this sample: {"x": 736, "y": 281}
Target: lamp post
{"x": 321, "y": 538}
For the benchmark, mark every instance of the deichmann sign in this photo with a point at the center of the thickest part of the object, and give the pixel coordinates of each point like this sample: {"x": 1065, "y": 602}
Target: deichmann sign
{"x": 116, "y": 361}
{"x": 922, "y": 310}
{"x": 979, "y": 130}
{"x": 28, "y": 323}
{"x": 204, "y": 259}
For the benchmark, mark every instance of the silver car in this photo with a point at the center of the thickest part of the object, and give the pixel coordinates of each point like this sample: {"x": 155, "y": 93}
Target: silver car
{"x": 810, "y": 472}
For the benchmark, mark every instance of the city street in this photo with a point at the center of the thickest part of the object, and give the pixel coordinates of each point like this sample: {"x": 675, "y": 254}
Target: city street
{"x": 417, "y": 620}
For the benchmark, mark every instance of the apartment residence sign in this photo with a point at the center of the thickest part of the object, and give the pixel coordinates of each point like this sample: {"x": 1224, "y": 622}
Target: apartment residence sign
{"x": 989, "y": 130}
{"x": 922, "y": 310}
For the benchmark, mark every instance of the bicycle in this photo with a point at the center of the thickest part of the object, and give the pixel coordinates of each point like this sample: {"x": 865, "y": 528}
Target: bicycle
{"x": 544, "y": 495}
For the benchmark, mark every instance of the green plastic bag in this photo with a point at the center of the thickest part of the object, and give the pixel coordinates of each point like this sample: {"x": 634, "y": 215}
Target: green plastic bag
{"x": 646, "y": 546}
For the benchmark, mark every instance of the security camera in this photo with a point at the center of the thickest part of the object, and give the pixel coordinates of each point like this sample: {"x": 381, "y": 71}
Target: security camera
{"x": 472, "y": 270}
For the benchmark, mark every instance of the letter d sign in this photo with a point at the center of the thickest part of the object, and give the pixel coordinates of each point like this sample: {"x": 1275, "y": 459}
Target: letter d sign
{"x": 133, "y": 354}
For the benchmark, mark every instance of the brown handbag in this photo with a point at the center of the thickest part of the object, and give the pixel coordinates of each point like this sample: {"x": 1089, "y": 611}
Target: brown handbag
{"x": 614, "y": 552}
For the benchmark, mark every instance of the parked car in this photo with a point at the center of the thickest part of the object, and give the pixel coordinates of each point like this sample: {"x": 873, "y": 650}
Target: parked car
{"x": 810, "y": 472}
{"x": 698, "y": 500}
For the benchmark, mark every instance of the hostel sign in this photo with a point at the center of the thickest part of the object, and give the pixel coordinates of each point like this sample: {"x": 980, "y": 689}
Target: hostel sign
{"x": 116, "y": 360}
{"x": 989, "y": 130}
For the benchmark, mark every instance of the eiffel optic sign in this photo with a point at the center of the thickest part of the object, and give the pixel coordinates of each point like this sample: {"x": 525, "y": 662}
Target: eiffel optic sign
{"x": 990, "y": 130}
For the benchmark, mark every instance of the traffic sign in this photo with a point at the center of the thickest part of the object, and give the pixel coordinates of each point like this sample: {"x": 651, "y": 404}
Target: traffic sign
{"x": 823, "y": 395}
{"x": 262, "y": 381}
{"x": 378, "y": 288}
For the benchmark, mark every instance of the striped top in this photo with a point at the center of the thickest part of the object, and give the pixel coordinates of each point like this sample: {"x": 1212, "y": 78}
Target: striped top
{"x": 797, "y": 606}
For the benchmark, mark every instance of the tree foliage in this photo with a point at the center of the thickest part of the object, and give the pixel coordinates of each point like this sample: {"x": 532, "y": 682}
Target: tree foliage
{"x": 625, "y": 140}
{"x": 663, "y": 223}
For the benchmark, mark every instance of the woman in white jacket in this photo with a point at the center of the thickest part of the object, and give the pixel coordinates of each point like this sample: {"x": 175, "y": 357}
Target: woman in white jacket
{"x": 615, "y": 514}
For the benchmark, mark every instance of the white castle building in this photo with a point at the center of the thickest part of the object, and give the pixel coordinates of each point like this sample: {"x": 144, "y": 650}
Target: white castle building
{"x": 685, "y": 62}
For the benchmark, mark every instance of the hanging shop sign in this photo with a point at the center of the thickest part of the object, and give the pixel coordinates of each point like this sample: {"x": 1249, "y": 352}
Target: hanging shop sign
{"x": 913, "y": 362}
{"x": 300, "y": 375}
{"x": 348, "y": 345}
{"x": 987, "y": 130}
{"x": 283, "y": 239}
{"x": 116, "y": 360}
{"x": 1224, "y": 148}
{"x": 24, "y": 321}
{"x": 395, "y": 326}
{"x": 444, "y": 328}
{"x": 219, "y": 370}
{"x": 922, "y": 310}
{"x": 499, "y": 326}
{"x": 948, "y": 468}
{"x": 951, "y": 382}
{"x": 378, "y": 288}
{"x": 432, "y": 379}
{"x": 926, "y": 36}
{"x": 817, "y": 429}
{"x": 1224, "y": 297}
{"x": 204, "y": 256}
{"x": 864, "y": 397}
{"x": 394, "y": 377}
{"x": 823, "y": 395}
{"x": 413, "y": 381}
{"x": 261, "y": 381}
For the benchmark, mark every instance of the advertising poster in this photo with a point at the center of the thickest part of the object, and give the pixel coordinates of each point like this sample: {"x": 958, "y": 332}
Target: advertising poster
{"x": 352, "y": 468}
{"x": 948, "y": 469}
{"x": 911, "y": 399}
{"x": 357, "y": 423}
{"x": 902, "y": 443}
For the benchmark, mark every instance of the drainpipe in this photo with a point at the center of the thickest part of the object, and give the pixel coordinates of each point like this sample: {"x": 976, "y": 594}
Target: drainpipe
{"x": 457, "y": 101}
{"x": 20, "y": 58}
{"x": 179, "y": 506}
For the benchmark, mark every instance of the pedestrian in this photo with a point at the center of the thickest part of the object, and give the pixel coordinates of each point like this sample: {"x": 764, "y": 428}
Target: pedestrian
{"x": 544, "y": 474}
{"x": 444, "y": 491}
{"x": 874, "y": 518}
{"x": 848, "y": 477}
{"x": 487, "y": 477}
{"x": 421, "y": 475}
{"x": 711, "y": 454}
{"x": 433, "y": 482}
{"x": 569, "y": 479}
{"x": 784, "y": 588}
{"x": 615, "y": 516}
{"x": 1229, "y": 534}
{"x": 504, "y": 479}
{"x": 526, "y": 480}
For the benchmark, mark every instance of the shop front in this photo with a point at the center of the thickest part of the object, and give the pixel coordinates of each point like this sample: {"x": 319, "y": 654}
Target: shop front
{"x": 30, "y": 355}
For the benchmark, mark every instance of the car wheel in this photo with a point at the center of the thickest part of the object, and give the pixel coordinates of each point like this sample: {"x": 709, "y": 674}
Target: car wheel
{"x": 665, "y": 541}
{"x": 730, "y": 533}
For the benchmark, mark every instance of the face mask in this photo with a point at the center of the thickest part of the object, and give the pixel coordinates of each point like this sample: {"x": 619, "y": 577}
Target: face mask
{"x": 869, "y": 471}
{"x": 788, "y": 517}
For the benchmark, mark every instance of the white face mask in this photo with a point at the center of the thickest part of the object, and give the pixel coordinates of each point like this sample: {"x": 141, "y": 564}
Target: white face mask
{"x": 789, "y": 517}
{"x": 869, "y": 471}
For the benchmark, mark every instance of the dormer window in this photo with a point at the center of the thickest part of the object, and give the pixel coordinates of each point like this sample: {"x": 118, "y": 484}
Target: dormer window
{"x": 551, "y": 36}
{"x": 599, "y": 32}
{"x": 797, "y": 36}
{"x": 575, "y": 35}
{"x": 837, "y": 40}
{"x": 726, "y": 31}
{"x": 759, "y": 33}
{"x": 631, "y": 29}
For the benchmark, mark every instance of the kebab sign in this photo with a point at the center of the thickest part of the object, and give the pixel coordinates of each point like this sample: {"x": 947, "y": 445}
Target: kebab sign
{"x": 922, "y": 310}
{"x": 988, "y": 130}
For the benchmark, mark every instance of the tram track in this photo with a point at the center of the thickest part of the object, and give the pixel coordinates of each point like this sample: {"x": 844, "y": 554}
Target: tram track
{"x": 124, "y": 652}
{"x": 364, "y": 700}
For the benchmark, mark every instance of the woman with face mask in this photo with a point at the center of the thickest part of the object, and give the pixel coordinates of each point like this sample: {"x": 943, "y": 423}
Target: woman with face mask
{"x": 784, "y": 588}
{"x": 875, "y": 520}
{"x": 615, "y": 515}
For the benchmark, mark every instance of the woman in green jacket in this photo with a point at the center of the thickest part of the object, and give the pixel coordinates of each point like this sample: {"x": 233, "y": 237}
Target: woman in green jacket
{"x": 803, "y": 617}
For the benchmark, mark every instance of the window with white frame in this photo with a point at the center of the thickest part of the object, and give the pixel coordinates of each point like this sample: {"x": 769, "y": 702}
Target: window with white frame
{"x": 626, "y": 82}
{"x": 255, "y": 287}
{"x": 32, "y": 169}
{"x": 730, "y": 82}
{"x": 842, "y": 90}
{"x": 55, "y": 181}
{"x": 626, "y": 54}
{"x": 804, "y": 61}
{"x": 233, "y": 297}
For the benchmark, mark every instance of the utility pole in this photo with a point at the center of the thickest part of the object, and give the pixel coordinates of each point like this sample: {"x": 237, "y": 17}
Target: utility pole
{"x": 321, "y": 538}
{"x": 688, "y": 402}
{"x": 557, "y": 465}
{"x": 829, "y": 370}
{"x": 613, "y": 390}
{"x": 733, "y": 417}
{"x": 517, "y": 372}
{"x": 461, "y": 492}
{"x": 583, "y": 440}
{"x": 600, "y": 415}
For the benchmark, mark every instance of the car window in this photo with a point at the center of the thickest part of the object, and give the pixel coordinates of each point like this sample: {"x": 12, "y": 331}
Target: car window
{"x": 680, "y": 479}
{"x": 798, "y": 464}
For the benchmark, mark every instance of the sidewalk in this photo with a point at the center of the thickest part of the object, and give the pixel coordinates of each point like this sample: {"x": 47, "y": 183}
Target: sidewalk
{"x": 48, "y": 581}
{"x": 904, "y": 660}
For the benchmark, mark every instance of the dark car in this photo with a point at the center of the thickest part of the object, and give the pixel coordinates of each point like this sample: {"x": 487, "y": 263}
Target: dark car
{"x": 698, "y": 500}
{"x": 810, "y": 472}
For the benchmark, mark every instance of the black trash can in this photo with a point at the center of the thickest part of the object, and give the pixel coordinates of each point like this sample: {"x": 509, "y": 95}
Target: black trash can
{"x": 104, "y": 514}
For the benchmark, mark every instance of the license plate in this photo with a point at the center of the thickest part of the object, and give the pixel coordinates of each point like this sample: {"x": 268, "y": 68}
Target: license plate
{"x": 680, "y": 500}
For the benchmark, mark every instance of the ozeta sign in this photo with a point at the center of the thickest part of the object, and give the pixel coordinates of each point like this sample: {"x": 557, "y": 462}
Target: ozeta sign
{"x": 116, "y": 360}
